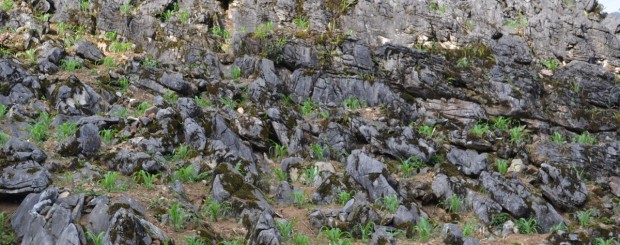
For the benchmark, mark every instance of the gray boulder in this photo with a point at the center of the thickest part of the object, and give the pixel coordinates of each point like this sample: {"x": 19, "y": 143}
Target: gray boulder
{"x": 371, "y": 174}
{"x": 469, "y": 162}
{"x": 89, "y": 51}
{"x": 562, "y": 187}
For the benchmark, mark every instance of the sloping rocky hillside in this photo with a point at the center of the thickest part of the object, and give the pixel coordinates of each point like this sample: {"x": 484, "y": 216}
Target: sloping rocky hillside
{"x": 309, "y": 122}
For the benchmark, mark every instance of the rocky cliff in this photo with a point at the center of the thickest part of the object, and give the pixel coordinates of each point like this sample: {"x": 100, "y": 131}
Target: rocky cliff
{"x": 309, "y": 122}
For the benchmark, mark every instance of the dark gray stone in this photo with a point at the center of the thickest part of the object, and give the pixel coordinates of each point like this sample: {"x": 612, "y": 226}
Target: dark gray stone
{"x": 89, "y": 51}
{"x": 469, "y": 162}
{"x": 562, "y": 187}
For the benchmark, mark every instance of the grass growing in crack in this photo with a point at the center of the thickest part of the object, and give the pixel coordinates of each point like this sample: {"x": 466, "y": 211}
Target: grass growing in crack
{"x": 517, "y": 134}
{"x": 109, "y": 62}
{"x": 454, "y": 204}
{"x": 3, "y": 111}
{"x": 203, "y": 103}
{"x": 84, "y": 4}
{"x": 183, "y": 151}
{"x": 123, "y": 83}
{"x": 186, "y": 174}
{"x": 557, "y": 138}
{"x": 408, "y": 165}
{"x": 286, "y": 229}
{"x": 7, "y": 236}
{"x": 280, "y": 174}
{"x": 603, "y": 241}
{"x": 214, "y": 209}
{"x": 142, "y": 107}
{"x": 107, "y": 135}
{"x": 230, "y": 103}
{"x": 480, "y": 129}
{"x": 263, "y": 30}
{"x": 527, "y": 226}
{"x": 558, "y": 227}
{"x": 585, "y": 217}
{"x": 108, "y": 182}
{"x": 184, "y": 16}
{"x": 468, "y": 229}
{"x": 66, "y": 129}
{"x": 344, "y": 197}
{"x": 302, "y": 22}
{"x": 120, "y": 47}
{"x": 235, "y": 73}
{"x": 426, "y": 131}
{"x": 353, "y": 103}
{"x": 218, "y": 31}
{"x": 279, "y": 151}
{"x": 231, "y": 242}
{"x": 463, "y": 63}
{"x": 3, "y": 138}
{"x": 110, "y": 35}
{"x": 585, "y": 138}
{"x": 499, "y": 219}
{"x": 366, "y": 230}
{"x": 145, "y": 178}
{"x": 319, "y": 151}
{"x": 502, "y": 166}
{"x": 299, "y": 198}
{"x": 310, "y": 175}
{"x": 125, "y": 7}
{"x": 424, "y": 229}
{"x": 170, "y": 96}
{"x": 335, "y": 235}
{"x": 39, "y": 131}
{"x": 176, "y": 216}
{"x": 501, "y": 123}
{"x": 31, "y": 55}
{"x": 96, "y": 239}
{"x": 391, "y": 203}
{"x": 192, "y": 240}
{"x": 301, "y": 239}
{"x": 70, "y": 65}
{"x": 307, "y": 107}
{"x": 550, "y": 64}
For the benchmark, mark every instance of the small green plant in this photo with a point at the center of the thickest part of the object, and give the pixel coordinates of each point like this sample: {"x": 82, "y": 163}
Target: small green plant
{"x": 603, "y": 241}
{"x": 319, "y": 151}
{"x": 527, "y": 226}
{"x": 550, "y": 64}
{"x": 39, "y": 131}
{"x": 107, "y": 135}
{"x": 302, "y": 22}
{"x": 125, "y": 7}
{"x": 557, "y": 138}
{"x": 70, "y": 65}
{"x": 517, "y": 134}
{"x": 520, "y": 22}
{"x": 279, "y": 151}
{"x": 203, "y": 103}
{"x": 344, "y": 197}
{"x": 408, "y": 165}
{"x": 499, "y": 219}
{"x": 7, "y": 5}
{"x": 366, "y": 230}
{"x": 123, "y": 83}
{"x": 184, "y": 16}
{"x": 186, "y": 174}
{"x": 227, "y": 102}
{"x": 3, "y": 110}
{"x": 426, "y": 131}
{"x": 280, "y": 174}
{"x": 84, "y": 4}
{"x": 502, "y": 166}
{"x": 65, "y": 130}
{"x": 192, "y": 240}
{"x": 436, "y": 8}
{"x": 3, "y": 138}
{"x": 149, "y": 63}
{"x": 170, "y": 96}
{"x": 142, "y": 107}
{"x": 167, "y": 14}
{"x": 286, "y": 229}
{"x": 468, "y": 229}
{"x": 310, "y": 175}
{"x": 31, "y": 55}
{"x": 391, "y": 203}
{"x": 558, "y": 227}
{"x": 110, "y": 35}
{"x": 96, "y": 239}
{"x": 235, "y": 73}
{"x": 463, "y": 63}
{"x": 299, "y": 198}
{"x": 109, "y": 62}
{"x": 44, "y": 17}
{"x": 585, "y": 217}
{"x": 214, "y": 209}
{"x": 585, "y": 138}
{"x": 480, "y": 129}
{"x": 263, "y": 30}
{"x": 335, "y": 235}
{"x": 307, "y": 107}
{"x": 424, "y": 229}
{"x": 120, "y": 47}
{"x": 7, "y": 236}
{"x": 501, "y": 123}
{"x": 218, "y": 31}
{"x": 176, "y": 216}
{"x": 146, "y": 178}
{"x": 109, "y": 182}
{"x": 301, "y": 239}
{"x": 353, "y": 103}
{"x": 454, "y": 204}
{"x": 231, "y": 242}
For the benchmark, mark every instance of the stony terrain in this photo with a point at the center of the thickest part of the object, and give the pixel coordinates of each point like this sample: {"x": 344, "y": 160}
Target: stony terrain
{"x": 309, "y": 122}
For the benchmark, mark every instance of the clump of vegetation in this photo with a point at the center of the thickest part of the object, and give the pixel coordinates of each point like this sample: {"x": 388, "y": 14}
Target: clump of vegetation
{"x": 408, "y": 165}
{"x": 499, "y": 219}
{"x": 517, "y": 134}
{"x": 227, "y": 102}
{"x": 7, "y": 236}
{"x": 550, "y": 64}
{"x": 344, "y": 197}
{"x": 168, "y": 13}
{"x": 235, "y": 73}
{"x": 310, "y": 175}
{"x": 299, "y": 198}
{"x": 120, "y": 47}
{"x": 302, "y": 22}
{"x": 391, "y": 203}
{"x": 279, "y": 151}
{"x": 218, "y": 31}
{"x": 188, "y": 174}
{"x": 468, "y": 229}
{"x": 336, "y": 236}
{"x": 142, "y": 107}
{"x": 214, "y": 209}
{"x": 110, "y": 180}
{"x": 585, "y": 138}
{"x": 203, "y": 103}
{"x": 96, "y": 239}
{"x": 502, "y": 166}
{"x": 39, "y": 131}
{"x": 454, "y": 204}
{"x": 286, "y": 229}
{"x": 70, "y": 65}
{"x": 125, "y": 7}
{"x": 426, "y": 131}
{"x": 480, "y": 129}
{"x": 301, "y": 239}
{"x": 176, "y": 216}
{"x": 263, "y": 30}
{"x": 502, "y": 123}
{"x": 527, "y": 226}
{"x": 557, "y": 138}
{"x": 3, "y": 111}
{"x": 319, "y": 151}
{"x": 307, "y": 107}
{"x": 437, "y": 8}
{"x": 107, "y": 135}
{"x": 65, "y": 130}
{"x": 424, "y": 229}
{"x": 146, "y": 178}
{"x": 353, "y": 103}
{"x": 7, "y": 5}
{"x": 519, "y": 23}
{"x": 585, "y": 217}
